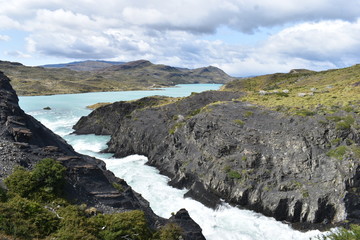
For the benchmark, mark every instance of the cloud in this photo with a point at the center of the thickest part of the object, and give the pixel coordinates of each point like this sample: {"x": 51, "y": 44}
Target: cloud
{"x": 335, "y": 41}
{"x": 17, "y": 54}
{"x": 4, "y": 38}
{"x": 315, "y": 34}
{"x": 8, "y": 23}
{"x": 316, "y": 46}
{"x": 202, "y": 16}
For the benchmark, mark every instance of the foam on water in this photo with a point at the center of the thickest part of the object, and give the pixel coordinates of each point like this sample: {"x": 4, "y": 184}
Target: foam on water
{"x": 226, "y": 222}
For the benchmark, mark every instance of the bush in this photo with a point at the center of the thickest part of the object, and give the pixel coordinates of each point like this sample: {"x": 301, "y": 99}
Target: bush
{"x": 344, "y": 234}
{"x": 248, "y": 114}
{"x": 26, "y": 219}
{"x": 305, "y": 113}
{"x": 3, "y": 195}
{"x": 45, "y": 182}
{"x": 345, "y": 123}
{"x": 338, "y": 152}
{"x": 239, "y": 122}
{"x": 126, "y": 225}
{"x": 170, "y": 231}
{"x": 74, "y": 225}
{"x": 234, "y": 174}
{"x": 25, "y": 215}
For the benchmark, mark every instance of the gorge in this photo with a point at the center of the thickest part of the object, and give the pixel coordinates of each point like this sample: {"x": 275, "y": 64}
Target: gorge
{"x": 24, "y": 141}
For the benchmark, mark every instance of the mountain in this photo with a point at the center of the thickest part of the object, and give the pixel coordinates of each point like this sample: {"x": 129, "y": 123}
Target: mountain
{"x": 136, "y": 75}
{"x": 24, "y": 141}
{"x": 89, "y": 65}
{"x": 260, "y": 143}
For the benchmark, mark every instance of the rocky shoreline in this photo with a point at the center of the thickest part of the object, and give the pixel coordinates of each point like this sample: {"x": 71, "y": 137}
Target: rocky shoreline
{"x": 302, "y": 170}
{"x": 24, "y": 141}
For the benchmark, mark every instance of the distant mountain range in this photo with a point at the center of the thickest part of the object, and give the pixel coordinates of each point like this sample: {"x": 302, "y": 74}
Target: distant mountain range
{"x": 88, "y": 65}
{"x": 99, "y": 76}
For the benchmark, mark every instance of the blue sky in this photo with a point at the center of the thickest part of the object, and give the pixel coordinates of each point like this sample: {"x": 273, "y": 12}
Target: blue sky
{"x": 242, "y": 37}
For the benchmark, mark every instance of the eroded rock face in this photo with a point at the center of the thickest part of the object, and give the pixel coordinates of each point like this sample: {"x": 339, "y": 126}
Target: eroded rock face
{"x": 273, "y": 163}
{"x": 24, "y": 141}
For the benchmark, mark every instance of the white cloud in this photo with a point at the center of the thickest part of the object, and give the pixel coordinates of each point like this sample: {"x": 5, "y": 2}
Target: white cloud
{"x": 4, "y": 38}
{"x": 335, "y": 41}
{"x": 8, "y": 23}
{"x": 17, "y": 54}
{"x": 319, "y": 34}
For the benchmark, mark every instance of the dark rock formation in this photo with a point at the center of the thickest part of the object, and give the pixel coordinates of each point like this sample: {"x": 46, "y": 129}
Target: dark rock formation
{"x": 24, "y": 141}
{"x": 296, "y": 169}
{"x": 110, "y": 116}
{"x": 191, "y": 228}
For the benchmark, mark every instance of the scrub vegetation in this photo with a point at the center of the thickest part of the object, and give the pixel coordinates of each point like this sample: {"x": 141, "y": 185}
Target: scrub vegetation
{"x": 32, "y": 207}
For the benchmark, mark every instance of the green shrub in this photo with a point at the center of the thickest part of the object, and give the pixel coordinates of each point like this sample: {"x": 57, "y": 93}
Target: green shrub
{"x": 348, "y": 108}
{"x": 45, "y": 182}
{"x": 344, "y": 234}
{"x": 49, "y": 176}
{"x": 118, "y": 187}
{"x": 131, "y": 225}
{"x": 345, "y": 123}
{"x": 338, "y": 152}
{"x": 26, "y": 219}
{"x": 334, "y": 118}
{"x": 248, "y": 114}
{"x": 195, "y": 112}
{"x": 25, "y": 215}
{"x": 175, "y": 127}
{"x": 305, "y": 113}
{"x": 282, "y": 94}
{"x": 74, "y": 224}
{"x": 3, "y": 195}
{"x": 20, "y": 182}
{"x": 239, "y": 122}
{"x": 336, "y": 141}
{"x": 170, "y": 231}
{"x": 234, "y": 174}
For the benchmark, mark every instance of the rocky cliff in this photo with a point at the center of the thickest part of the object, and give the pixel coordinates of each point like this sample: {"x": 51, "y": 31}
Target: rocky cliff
{"x": 298, "y": 169}
{"x": 24, "y": 141}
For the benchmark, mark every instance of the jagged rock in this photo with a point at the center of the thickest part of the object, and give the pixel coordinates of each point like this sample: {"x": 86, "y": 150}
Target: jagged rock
{"x": 267, "y": 161}
{"x": 24, "y": 141}
{"x": 191, "y": 229}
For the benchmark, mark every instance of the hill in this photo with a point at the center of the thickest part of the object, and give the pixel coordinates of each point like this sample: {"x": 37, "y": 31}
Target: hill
{"x": 89, "y": 65}
{"x": 303, "y": 91}
{"x": 137, "y": 75}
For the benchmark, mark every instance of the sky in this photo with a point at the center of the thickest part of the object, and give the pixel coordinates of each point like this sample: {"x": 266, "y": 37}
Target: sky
{"x": 242, "y": 37}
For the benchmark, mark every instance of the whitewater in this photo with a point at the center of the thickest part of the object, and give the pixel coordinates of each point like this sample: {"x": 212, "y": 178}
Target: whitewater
{"x": 224, "y": 223}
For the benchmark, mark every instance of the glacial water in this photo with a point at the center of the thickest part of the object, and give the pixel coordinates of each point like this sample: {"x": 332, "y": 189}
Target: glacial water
{"x": 224, "y": 223}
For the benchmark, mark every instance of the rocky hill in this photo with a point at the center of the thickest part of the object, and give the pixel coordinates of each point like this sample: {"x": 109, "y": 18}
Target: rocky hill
{"x": 24, "y": 141}
{"x": 137, "y": 75}
{"x": 298, "y": 167}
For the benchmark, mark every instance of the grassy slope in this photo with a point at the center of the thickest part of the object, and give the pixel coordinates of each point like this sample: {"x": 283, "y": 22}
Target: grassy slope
{"x": 138, "y": 75}
{"x": 327, "y": 90}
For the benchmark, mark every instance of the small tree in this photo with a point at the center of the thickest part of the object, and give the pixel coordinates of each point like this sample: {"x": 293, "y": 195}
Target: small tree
{"x": 44, "y": 182}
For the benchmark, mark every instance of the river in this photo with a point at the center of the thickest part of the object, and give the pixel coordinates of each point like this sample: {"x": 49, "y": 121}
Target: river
{"x": 224, "y": 223}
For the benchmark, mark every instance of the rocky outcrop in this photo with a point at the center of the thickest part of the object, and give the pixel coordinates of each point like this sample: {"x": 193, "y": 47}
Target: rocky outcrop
{"x": 297, "y": 169}
{"x": 106, "y": 119}
{"x": 24, "y": 141}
